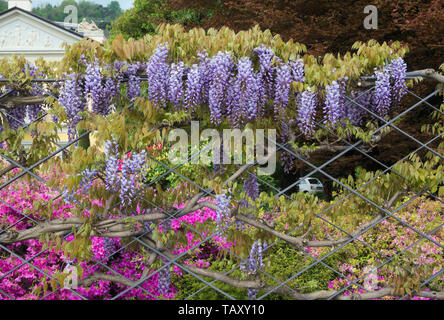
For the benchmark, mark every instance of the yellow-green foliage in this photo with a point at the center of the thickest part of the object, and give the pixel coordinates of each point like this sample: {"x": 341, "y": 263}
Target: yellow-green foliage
{"x": 184, "y": 46}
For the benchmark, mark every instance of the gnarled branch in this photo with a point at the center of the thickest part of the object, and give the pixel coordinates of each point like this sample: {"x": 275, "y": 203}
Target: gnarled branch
{"x": 10, "y": 103}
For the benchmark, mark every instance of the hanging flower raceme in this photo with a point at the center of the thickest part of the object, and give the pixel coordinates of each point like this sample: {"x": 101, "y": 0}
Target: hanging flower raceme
{"x": 129, "y": 178}
{"x": 333, "y": 103}
{"x": 382, "y": 94}
{"x": 110, "y": 247}
{"x": 93, "y": 86}
{"x": 251, "y": 187}
{"x": 205, "y": 71}
{"x": 222, "y": 211}
{"x": 297, "y": 70}
{"x": 282, "y": 89}
{"x": 246, "y": 93}
{"x": 193, "y": 93}
{"x": 34, "y": 110}
{"x": 71, "y": 98}
{"x": 86, "y": 182}
{"x": 99, "y": 89}
{"x": 398, "y": 70}
{"x": 353, "y": 111}
{"x": 198, "y": 80}
{"x": 222, "y": 67}
{"x": 266, "y": 56}
{"x": 176, "y": 85}
{"x": 123, "y": 176}
{"x": 111, "y": 165}
{"x": 133, "y": 86}
{"x": 254, "y": 262}
{"x": 88, "y": 175}
{"x": 16, "y": 117}
{"x": 164, "y": 281}
{"x": 307, "y": 111}
{"x": 158, "y": 73}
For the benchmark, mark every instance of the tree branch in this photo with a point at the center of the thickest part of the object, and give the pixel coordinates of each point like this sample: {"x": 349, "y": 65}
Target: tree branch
{"x": 7, "y": 169}
{"x": 427, "y": 73}
{"x": 55, "y": 226}
{"x": 87, "y": 282}
{"x": 302, "y": 242}
{"x": 243, "y": 168}
{"x": 16, "y": 102}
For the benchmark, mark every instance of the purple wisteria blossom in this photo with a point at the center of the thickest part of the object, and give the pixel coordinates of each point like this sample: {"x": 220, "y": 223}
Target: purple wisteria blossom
{"x": 222, "y": 211}
{"x": 164, "y": 280}
{"x": 266, "y": 56}
{"x": 398, "y": 70}
{"x": 205, "y": 78}
{"x": 109, "y": 246}
{"x": 254, "y": 262}
{"x": 193, "y": 92}
{"x": 222, "y": 68}
{"x": 16, "y": 117}
{"x": 333, "y": 109}
{"x": 111, "y": 165}
{"x": 99, "y": 88}
{"x": 246, "y": 93}
{"x": 251, "y": 187}
{"x": 297, "y": 70}
{"x": 93, "y": 87}
{"x": 307, "y": 111}
{"x": 130, "y": 175}
{"x": 158, "y": 73}
{"x": 176, "y": 85}
{"x": 354, "y": 112}
{"x": 71, "y": 99}
{"x": 86, "y": 182}
{"x": 133, "y": 86}
{"x": 34, "y": 110}
{"x": 382, "y": 94}
{"x": 282, "y": 88}
{"x": 123, "y": 176}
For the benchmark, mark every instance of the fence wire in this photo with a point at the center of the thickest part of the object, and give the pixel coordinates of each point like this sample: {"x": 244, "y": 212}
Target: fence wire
{"x": 279, "y": 285}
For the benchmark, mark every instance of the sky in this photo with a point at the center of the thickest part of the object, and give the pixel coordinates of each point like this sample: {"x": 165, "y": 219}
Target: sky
{"x": 124, "y": 4}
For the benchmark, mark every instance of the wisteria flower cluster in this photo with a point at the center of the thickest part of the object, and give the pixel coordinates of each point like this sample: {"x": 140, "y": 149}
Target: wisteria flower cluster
{"x": 253, "y": 263}
{"x": 232, "y": 89}
{"x": 222, "y": 211}
{"x": 123, "y": 177}
{"x": 71, "y": 98}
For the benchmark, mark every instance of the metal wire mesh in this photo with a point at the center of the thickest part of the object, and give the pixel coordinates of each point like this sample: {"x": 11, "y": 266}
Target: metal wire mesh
{"x": 274, "y": 285}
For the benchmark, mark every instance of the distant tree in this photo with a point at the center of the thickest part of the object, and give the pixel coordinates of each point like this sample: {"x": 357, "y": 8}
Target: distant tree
{"x": 3, "y": 5}
{"x": 148, "y": 14}
{"x": 114, "y": 6}
{"x": 141, "y": 19}
{"x": 102, "y": 16}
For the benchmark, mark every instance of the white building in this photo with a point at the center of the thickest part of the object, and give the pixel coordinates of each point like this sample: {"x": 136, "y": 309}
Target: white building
{"x": 24, "y": 33}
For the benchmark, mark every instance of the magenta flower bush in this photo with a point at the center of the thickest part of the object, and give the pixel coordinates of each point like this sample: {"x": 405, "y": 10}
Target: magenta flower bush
{"x": 19, "y": 280}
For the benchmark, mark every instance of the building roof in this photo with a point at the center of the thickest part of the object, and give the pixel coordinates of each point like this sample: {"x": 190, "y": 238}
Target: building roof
{"x": 42, "y": 19}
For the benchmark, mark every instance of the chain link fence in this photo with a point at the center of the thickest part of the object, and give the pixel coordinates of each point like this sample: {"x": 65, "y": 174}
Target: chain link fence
{"x": 261, "y": 284}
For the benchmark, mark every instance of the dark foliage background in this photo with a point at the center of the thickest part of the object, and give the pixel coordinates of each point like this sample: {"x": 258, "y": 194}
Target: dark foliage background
{"x": 322, "y": 25}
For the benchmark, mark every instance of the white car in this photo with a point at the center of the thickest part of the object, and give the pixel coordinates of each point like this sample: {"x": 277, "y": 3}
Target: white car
{"x": 310, "y": 185}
